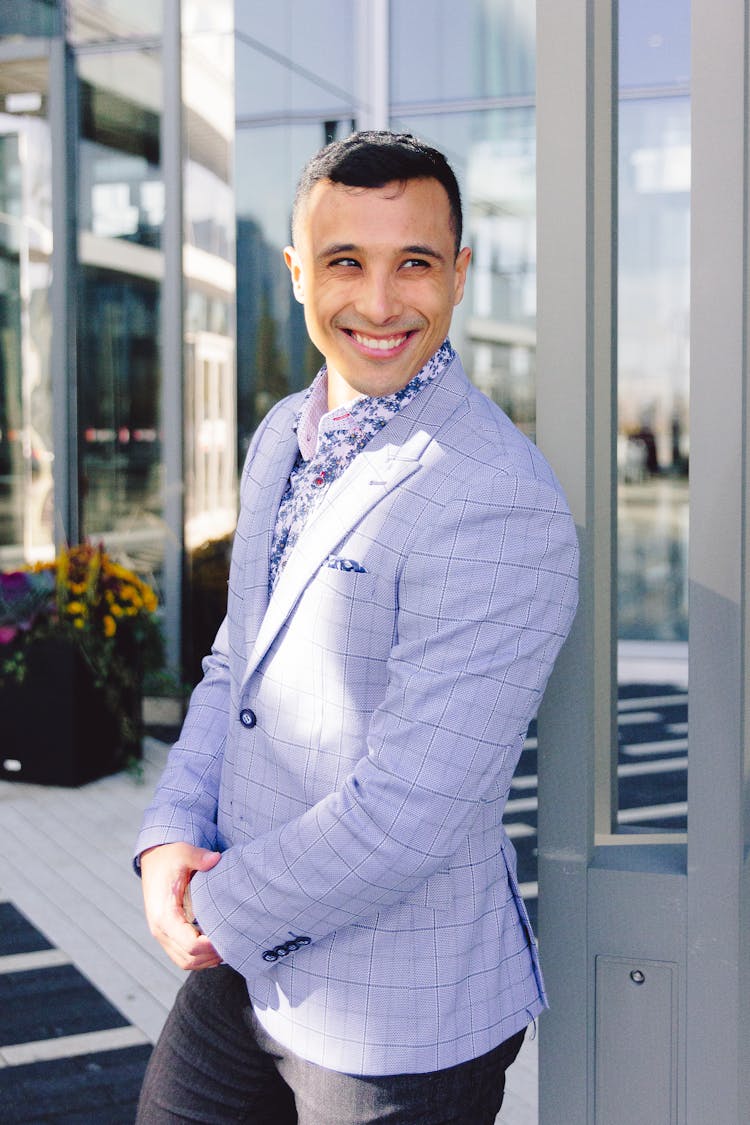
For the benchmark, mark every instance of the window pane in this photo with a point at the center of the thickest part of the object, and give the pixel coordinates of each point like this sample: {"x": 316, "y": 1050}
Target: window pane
{"x": 295, "y": 57}
{"x": 441, "y": 50}
{"x": 493, "y": 155}
{"x": 26, "y": 456}
{"x": 31, "y": 17}
{"x": 98, "y": 20}
{"x": 653, "y": 443}
{"x": 121, "y": 210}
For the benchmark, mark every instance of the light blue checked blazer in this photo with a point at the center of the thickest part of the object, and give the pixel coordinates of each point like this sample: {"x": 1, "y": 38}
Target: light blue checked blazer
{"x": 351, "y": 746}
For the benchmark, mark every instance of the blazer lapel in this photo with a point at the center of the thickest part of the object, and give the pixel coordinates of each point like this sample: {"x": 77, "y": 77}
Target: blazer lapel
{"x": 270, "y": 473}
{"x": 397, "y": 451}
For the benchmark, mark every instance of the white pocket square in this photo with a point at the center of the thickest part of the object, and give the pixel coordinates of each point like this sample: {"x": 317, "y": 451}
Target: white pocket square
{"x": 336, "y": 562}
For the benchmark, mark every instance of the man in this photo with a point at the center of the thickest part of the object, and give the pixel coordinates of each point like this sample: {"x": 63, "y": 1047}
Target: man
{"x": 403, "y": 576}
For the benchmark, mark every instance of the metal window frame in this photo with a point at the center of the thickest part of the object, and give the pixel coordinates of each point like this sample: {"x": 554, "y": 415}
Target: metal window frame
{"x": 678, "y": 909}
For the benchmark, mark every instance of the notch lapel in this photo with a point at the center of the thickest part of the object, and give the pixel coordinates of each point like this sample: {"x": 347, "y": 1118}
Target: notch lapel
{"x": 369, "y": 478}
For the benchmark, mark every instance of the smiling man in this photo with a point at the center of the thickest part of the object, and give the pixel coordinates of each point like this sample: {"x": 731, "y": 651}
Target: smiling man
{"x": 327, "y": 838}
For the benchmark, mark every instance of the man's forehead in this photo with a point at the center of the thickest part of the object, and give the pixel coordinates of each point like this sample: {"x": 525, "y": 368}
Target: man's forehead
{"x": 325, "y": 196}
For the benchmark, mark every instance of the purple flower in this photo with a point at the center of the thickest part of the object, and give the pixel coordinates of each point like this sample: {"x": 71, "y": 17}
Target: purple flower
{"x": 8, "y": 633}
{"x": 14, "y": 585}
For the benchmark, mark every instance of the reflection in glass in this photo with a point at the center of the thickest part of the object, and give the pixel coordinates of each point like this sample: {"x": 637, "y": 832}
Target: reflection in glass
{"x": 493, "y": 329}
{"x": 101, "y": 20}
{"x": 121, "y": 211}
{"x": 32, "y": 17}
{"x": 210, "y": 462}
{"x": 118, "y": 408}
{"x": 653, "y": 441}
{"x": 294, "y": 57}
{"x": 441, "y": 50}
{"x": 121, "y": 192}
{"x": 274, "y": 354}
{"x": 26, "y": 456}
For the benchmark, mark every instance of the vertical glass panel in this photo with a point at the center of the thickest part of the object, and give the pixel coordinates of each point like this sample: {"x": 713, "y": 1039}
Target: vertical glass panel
{"x": 653, "y": 442}
{"x": 121, "y": 207}
{"x": 26, "y": 453}
{"x": 479, "y": 49}
{"x": 275, "y": 355}
{"x": 295, "y": 57}
{"x": 118, "y": 409}
{"x": 31, "y": 17}
{"x": 92, "y": 20}
{"x": 121, "y": 192}
{"x": 493, "y": 155}
{"x": 210, "y": 448}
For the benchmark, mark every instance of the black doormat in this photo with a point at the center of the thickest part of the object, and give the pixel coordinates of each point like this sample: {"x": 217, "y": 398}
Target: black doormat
{"x": 43, "y": 1003}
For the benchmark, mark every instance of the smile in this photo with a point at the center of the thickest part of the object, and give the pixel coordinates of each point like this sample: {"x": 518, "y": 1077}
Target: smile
{"x": 379, "y": 343}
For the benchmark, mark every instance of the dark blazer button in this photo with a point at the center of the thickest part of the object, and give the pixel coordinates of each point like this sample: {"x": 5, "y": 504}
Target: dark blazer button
{"x": 270, "y": 955}
{"x": 247, "y": 718}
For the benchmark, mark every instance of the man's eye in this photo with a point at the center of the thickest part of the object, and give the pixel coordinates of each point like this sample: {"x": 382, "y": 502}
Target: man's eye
{"x": 344, "y": 262}
{"x": 413, "y": 263}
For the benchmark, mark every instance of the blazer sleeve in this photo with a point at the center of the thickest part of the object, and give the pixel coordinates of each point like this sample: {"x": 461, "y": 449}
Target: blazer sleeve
{"x": 185, "y": 805}
{"x": 486, "y": 595}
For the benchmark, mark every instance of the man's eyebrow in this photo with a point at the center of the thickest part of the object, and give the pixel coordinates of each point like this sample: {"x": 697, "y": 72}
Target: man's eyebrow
{"x": 351, "y": 248}
{"x": 336, "y": 248}
{"x": 424, "y": 251}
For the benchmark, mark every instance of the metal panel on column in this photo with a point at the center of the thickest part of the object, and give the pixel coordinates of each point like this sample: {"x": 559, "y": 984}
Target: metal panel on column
{"x": 575, "y": 407}
{"x": 718, "y": 838}
{"x": 605, "y": 899}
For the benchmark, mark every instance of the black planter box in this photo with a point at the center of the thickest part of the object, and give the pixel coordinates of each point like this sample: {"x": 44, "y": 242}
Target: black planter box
{"x": 58, "y": 728}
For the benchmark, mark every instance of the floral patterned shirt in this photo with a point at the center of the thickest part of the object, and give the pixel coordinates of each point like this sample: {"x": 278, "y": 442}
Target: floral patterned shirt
{"x": 328, "y": 442}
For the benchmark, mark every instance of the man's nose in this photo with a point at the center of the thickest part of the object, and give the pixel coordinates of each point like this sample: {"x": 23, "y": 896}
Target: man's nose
{"x": 378, "y": 299}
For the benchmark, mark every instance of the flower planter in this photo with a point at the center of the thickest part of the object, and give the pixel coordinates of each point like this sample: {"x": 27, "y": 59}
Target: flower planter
{"x": 57, "y": 727}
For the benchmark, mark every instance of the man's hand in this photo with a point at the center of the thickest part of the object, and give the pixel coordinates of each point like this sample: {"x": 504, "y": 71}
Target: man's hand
{"x": 166, "y": 873}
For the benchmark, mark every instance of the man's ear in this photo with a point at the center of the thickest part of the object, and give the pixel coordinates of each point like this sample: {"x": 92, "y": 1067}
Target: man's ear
{"x": 291, "y": 257}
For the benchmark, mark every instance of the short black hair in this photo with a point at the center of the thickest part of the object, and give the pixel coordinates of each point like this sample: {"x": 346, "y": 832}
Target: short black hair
{"x": 374, "y": 158}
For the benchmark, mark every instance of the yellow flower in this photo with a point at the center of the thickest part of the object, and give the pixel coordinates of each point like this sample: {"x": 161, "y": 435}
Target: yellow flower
{"x": 116, "y": 610}
{"x": 76, "y": 608}
{"x": 110, "y": 626}
{"x": 79, "y": 623}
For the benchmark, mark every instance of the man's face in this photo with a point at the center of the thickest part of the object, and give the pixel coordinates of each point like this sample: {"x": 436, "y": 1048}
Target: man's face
{"x": 377, "y": 272}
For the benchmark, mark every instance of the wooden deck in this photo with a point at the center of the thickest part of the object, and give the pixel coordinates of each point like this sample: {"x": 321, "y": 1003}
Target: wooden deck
{"x": 66, "y": 866}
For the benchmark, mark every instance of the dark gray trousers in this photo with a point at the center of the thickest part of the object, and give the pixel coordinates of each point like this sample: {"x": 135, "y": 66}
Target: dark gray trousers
{"x": 215, "y": 1063}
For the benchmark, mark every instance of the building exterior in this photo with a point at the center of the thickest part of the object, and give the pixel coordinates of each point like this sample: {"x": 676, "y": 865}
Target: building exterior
{"x": 117, "y": 376}
{"x": 124, "y": 411}
{"x": 148, "y": 156}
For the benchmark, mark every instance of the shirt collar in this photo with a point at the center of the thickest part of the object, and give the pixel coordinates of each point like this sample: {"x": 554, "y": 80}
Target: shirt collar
{"x": 314, "y": 417}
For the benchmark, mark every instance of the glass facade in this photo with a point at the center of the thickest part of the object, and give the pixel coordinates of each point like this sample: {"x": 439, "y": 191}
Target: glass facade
{"x": 470, "y": 90}
{"x": 120, "y": 212}
{"x": 112, "y": 99}
{"x": 287, "y": 77}
{"x": 26, "y": 443}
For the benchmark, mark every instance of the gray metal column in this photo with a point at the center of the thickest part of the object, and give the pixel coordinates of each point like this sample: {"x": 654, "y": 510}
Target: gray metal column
{"x": 373, "y": 64}
{"x": 645, "y": 940}
{"x": 718, "y": 937}
{"x": 612, "y": 906}
{"x": 63, "y": 127}
{"x": 172, "y": 332}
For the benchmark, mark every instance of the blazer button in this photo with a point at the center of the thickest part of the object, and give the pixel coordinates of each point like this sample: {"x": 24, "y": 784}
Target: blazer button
{"x": 247, "y": 718}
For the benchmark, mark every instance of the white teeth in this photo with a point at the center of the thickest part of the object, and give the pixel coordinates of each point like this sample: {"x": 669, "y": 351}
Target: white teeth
{"x": 380, "y": 345}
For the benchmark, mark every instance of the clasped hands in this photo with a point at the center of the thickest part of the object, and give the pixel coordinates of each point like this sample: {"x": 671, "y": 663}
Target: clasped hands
{"x": 166, "y": 871}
